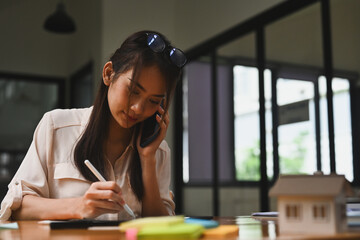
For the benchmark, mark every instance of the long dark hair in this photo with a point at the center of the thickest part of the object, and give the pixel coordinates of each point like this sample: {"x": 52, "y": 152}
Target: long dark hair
{"x": 132, "y": 54}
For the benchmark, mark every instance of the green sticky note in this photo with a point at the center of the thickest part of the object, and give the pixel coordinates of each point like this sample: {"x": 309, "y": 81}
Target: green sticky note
{"x": 140, "y": 223}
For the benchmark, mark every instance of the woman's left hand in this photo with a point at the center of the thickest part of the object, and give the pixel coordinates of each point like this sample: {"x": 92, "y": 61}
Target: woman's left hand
{"x": 149, "y": 151}
{"x": 152, "y": 202}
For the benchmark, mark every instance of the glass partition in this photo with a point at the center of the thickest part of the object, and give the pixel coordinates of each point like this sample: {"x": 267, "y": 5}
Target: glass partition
{"x": 197, "y": 145}
{"x": 294, "y": 52}
{"x": 342, "y": 127}
{"x": 239, "y": 55}
{"x": 346, "y": 52}
{"x": 23, "y": 102}
{"x": 22, "y": 105}
{"x": 296, "y": 108}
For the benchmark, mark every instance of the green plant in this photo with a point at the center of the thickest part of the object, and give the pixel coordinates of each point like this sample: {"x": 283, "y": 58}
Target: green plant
{"x": 248, "y": 166}
{"x": 294, "y": 163}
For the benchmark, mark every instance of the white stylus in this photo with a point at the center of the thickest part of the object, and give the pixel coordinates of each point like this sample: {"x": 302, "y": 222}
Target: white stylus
{"x": 102, "y": 179}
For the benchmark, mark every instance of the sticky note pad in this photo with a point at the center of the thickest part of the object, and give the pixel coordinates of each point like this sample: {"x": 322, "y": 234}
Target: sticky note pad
{"x": 179, "y": 231}
{"x": 222, "y": 231}
{"x": 206, "y": 223}
{"x": 139, "y": 223}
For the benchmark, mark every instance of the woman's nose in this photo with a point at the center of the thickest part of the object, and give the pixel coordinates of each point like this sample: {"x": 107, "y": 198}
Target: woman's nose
{"x": 137, "y": 106}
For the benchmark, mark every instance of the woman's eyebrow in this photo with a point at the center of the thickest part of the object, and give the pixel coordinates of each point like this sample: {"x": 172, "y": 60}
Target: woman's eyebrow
{"x": 142, "y": 88}
{"x": 138, "y": 85}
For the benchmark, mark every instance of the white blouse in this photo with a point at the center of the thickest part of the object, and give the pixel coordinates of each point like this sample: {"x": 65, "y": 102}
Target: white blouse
{"x": 48, "y": 169}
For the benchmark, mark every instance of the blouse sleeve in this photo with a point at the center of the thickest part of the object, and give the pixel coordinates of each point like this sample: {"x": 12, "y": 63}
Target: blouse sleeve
{"x": 164, "y": 177}
{"x": 31, "y": 177}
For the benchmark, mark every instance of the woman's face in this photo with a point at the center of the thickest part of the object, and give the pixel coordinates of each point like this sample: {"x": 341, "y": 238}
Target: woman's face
{"x": 144, "y": 100}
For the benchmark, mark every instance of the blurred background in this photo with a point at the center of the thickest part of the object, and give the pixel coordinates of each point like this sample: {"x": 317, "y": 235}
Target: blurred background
{"x": 271, "y": 87}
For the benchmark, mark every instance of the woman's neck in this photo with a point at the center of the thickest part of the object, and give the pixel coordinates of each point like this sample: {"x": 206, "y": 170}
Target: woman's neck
{"x": 118, "y": 138}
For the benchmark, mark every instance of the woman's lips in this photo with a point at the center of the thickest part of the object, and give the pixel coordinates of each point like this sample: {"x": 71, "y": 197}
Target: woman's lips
{"x": 130, "y": 119}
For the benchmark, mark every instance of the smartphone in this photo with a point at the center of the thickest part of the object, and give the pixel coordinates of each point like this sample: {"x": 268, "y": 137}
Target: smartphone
{"x": 150, "y": 129}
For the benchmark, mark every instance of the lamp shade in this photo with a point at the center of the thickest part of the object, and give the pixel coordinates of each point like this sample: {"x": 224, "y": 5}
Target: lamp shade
{"x": 60, "y": 21}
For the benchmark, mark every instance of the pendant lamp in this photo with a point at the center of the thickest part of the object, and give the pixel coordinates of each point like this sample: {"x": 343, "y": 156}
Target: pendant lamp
{"x": 60, "y": 21}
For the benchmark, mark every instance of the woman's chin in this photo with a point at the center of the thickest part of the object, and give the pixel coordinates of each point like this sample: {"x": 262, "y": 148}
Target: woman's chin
{"x": 127, "y": 124}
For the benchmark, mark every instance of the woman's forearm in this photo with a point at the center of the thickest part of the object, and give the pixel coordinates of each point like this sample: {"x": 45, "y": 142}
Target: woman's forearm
{"x": 33, "y": 207}
{"x": 100, "y": 198}
{"x": 152, "y": 204}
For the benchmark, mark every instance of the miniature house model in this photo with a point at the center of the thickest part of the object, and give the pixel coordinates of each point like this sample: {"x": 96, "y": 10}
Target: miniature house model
{"x": 311, "y": 204}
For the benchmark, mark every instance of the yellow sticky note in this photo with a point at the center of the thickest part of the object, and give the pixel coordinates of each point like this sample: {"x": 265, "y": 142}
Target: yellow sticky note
{"x": 179, "y": 231}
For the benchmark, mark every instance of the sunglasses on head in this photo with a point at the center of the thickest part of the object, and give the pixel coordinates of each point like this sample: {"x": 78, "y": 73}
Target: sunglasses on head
{"x": 158, "y": 45}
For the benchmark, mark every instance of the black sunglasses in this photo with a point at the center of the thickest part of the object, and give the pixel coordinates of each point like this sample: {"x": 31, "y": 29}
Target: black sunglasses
{"x": 158, "y": 45}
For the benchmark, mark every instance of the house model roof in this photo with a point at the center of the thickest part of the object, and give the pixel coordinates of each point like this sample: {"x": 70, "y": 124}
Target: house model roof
{"x": 311, "y": 185}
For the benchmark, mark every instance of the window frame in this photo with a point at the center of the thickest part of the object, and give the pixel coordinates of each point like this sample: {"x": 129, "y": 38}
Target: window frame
{"x": 281, "y": 70}
{"x": 257, "y": 24}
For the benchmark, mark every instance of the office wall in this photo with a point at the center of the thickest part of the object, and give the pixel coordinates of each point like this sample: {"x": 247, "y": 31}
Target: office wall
{"x": 196, "y": 21}
{"x": 102, "y": 25}
{"x": 185, "y": 23}
{"x": 27, "y": 48}
{"x": 346, "y": 34}
{"x": 85, "y": 44}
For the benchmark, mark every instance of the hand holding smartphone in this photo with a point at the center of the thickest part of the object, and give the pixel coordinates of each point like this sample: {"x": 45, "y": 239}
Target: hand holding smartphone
{"x": 150, "y": 129}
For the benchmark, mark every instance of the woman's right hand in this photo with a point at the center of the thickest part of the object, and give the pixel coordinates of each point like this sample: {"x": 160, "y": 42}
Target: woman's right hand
{"x": 100, "y": 198}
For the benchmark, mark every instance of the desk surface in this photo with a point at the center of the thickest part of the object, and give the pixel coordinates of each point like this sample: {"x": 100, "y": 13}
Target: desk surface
{"x": 248, "y": 229}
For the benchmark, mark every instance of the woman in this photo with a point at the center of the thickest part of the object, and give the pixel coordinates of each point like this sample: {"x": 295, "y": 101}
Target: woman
{"x": 53, "y": 181}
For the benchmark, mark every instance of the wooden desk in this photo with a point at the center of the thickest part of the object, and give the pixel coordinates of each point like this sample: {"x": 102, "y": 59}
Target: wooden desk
{"x": 248, "y": 229}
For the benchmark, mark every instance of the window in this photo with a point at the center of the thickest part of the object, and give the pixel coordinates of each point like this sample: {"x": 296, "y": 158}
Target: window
{"x": 297, "y": 139}
{"x": 297, "y": 153}
{"x": 246, "y": 123}
{"x": 197, "y": 123}
{"x": 21, "y": 98}
{"x": 82, "y": 87}
{"x": 342, "y": 127}
{"x": 23, "y": 101}
{"x": 198, "y": 120}
{"x": 293, "y": 211}
{"x": 280, "y": 45}
{"x": 246, "y": 111}
{"x": 320, "y": 211}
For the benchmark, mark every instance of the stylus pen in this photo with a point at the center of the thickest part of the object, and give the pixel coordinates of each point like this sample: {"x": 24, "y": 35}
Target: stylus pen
{"x": 102, "y": 179}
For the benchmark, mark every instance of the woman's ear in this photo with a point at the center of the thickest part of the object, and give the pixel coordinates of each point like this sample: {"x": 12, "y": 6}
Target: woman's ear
{"x": 107, "y": 73}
